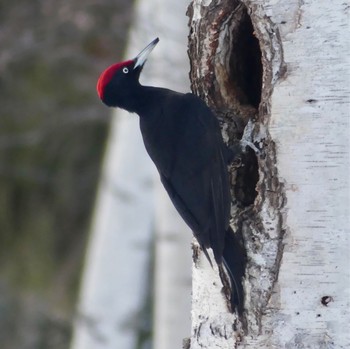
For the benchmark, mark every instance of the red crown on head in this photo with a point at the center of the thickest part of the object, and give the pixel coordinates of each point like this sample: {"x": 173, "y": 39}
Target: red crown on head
{"x": 107, "y": 76}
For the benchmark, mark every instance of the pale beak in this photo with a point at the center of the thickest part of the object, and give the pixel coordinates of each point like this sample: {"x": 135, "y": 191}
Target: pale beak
{"x": 143, "y": 55}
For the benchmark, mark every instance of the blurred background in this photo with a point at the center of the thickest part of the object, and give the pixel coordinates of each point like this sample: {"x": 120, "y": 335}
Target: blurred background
{"x": 52, "y": 137}
{"x": 53, "y": 133}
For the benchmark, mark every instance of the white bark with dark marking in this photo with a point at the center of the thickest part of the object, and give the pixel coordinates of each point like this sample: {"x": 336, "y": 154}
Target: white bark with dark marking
{"x": 310, "y": 125}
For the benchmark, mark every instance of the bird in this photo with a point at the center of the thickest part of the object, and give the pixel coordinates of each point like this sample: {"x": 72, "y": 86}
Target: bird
{"x": 183, "y": 138}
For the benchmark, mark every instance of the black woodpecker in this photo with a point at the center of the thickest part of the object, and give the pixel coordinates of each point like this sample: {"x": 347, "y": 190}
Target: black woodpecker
{"x": 183, "y": 138}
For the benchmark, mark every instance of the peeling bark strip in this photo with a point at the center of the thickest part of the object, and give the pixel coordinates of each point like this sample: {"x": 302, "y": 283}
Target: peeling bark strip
{"x": 236, "y": 58}
{"x": 300, "y": 124}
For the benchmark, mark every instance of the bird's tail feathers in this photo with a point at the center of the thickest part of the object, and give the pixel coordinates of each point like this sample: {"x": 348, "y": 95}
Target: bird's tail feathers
{"x": 234, "y": 260}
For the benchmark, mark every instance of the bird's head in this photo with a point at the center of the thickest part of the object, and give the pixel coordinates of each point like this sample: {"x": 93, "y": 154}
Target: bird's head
{"x": 116, "y": 84}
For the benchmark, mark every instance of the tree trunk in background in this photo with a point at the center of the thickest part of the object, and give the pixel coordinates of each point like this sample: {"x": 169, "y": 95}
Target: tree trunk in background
{"x": 279, "y": 72}
{"x": 118, "y": 270}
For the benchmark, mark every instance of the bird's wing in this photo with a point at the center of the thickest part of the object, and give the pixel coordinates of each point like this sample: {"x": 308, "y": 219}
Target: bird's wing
{"x": 202, "y": 235}
{"x": 200, "y": 200}
{"x": 198, "y": 181}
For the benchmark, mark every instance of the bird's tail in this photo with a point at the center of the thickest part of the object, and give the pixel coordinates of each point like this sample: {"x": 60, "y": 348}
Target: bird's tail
{"x": 235, "y": 259}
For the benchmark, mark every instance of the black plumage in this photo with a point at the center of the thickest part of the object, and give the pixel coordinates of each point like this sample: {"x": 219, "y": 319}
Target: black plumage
{"x": 183, "y": 138}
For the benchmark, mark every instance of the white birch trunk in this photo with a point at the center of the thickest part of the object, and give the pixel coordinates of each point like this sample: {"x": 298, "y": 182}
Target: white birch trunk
{"x": 117, "y": 269}
{"x": 297, "y": 291}
{"x": 310, "y": 124}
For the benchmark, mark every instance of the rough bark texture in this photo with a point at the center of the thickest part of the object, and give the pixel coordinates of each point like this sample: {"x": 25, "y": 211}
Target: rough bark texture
{"x": 239, "y": 67}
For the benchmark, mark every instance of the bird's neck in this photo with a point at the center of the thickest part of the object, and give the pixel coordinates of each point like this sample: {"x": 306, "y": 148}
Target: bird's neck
{"x": 142, "y": 99}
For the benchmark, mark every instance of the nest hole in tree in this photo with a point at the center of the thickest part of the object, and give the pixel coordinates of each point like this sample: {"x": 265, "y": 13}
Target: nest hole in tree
{"x": 245, "y": 75}
{"x": 245, "y": 62}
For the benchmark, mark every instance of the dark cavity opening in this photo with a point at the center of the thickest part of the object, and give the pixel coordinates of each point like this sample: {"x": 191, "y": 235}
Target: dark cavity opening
{"x": 245, "y": 62}
{"x": 245, "y": 76}
{"x": 247, "y": 176}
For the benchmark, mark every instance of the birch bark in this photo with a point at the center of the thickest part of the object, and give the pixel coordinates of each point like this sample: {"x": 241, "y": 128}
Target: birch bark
{"x": 296, "y": 228}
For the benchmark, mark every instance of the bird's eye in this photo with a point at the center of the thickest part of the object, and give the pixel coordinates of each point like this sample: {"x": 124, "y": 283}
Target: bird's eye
{"x": 125, "y": 70}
